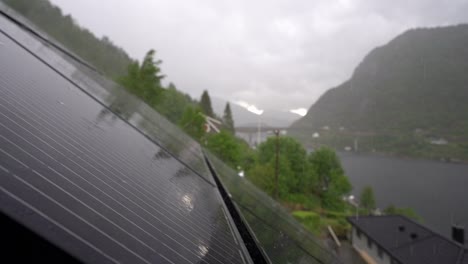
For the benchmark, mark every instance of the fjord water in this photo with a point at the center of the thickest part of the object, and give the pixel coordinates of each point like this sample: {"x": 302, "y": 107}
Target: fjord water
{"x": 437, "y": 191}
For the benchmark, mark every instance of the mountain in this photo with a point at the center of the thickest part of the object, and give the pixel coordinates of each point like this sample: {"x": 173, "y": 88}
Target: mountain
{"x": 244, "y": 118}
{"x": 408, "y": 97}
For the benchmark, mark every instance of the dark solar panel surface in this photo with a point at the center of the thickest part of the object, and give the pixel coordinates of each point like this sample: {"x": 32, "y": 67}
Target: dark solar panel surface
{"x": 125, "y": 105}
{"x": 124, "y": 178}
{"x": 93, "y": 185}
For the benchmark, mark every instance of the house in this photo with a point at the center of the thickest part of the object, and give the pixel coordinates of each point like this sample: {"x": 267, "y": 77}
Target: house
{"x": 394, "y": 239}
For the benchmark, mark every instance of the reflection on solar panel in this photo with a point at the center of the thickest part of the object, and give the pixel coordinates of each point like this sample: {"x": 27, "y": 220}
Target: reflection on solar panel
{"x": 280, "y": 236}
{"x": 94, "y": 185}
{"x": 97, "y": 173}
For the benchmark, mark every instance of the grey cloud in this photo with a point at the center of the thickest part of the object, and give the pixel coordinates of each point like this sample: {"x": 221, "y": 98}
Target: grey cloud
{"x": 272, "y": 53}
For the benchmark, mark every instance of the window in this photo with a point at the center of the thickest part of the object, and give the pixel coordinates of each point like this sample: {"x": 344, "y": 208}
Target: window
{"x": 358, "y": 233}
{"x": 380, "y": 252}
{"x": 369, "y": 243}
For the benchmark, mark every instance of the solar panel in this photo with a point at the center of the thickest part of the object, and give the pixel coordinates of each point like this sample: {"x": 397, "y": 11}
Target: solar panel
{"x": 91, "y": 183}
{"x": 122, "y": 103}
{"x": 103, "y": 176}
{"x": 281, "y": 237}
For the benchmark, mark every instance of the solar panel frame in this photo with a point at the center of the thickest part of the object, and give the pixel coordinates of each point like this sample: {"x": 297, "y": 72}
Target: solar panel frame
{"x": 123, "y": 109}
{"x": 35, "y": 142}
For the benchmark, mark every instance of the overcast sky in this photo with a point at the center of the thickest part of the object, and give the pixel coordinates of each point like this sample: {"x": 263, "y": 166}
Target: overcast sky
{"x": 280, "y": 54}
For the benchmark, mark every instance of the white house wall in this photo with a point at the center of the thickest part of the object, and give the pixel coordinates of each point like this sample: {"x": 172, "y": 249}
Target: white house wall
{"x": 361, "y": 245}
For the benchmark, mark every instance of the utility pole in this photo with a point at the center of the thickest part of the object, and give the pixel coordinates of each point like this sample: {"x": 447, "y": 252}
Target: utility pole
{"x": 258, "y": 131}
{"x": 276, "y": 163}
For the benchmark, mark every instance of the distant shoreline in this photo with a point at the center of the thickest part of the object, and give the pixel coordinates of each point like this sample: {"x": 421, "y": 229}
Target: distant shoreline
{"x": 403, "y": 157}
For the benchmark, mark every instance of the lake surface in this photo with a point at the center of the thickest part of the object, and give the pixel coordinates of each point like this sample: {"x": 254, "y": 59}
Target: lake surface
{"x": 437, "y": 191}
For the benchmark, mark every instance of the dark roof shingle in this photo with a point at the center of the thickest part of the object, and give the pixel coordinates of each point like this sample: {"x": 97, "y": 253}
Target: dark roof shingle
{"x": 408, "y": 241}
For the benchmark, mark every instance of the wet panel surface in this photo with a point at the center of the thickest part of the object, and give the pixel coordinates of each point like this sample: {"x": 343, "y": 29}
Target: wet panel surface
{"x": 86, "y": 180}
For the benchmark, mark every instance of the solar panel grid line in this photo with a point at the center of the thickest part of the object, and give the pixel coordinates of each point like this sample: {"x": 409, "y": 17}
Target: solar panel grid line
{"x": 205, "y": 165}
{"x": 39, "y": 117}
{"x": 168, "y": 236}
{"x": 143, "y": 230}
{"x": 122, "y": 229}
{"x": 88, "y": 93}
{"x": 194, "y": 149}
{"x": 9, "y": 16}
{"x": 97, "y": 229}
{"x": 298, "y": 240}
{"x": 61, "y": 147}
{"x": 300, "y": 237}
{"x": 47, "y": 218}
{"x": 75, "y": 198}
{"x": 169, "y": 129}
{"x": 229, "y": 225}
{"x": 49, "y": 42}
{"x": 164, "y": 123}
{"x": 183, "y": 138}
{"x": 247, "y": 185}
{"x": 267, "y": 225}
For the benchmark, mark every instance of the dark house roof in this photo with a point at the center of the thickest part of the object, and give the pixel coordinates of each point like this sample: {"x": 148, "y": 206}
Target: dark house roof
{"x": 409, "y": 242}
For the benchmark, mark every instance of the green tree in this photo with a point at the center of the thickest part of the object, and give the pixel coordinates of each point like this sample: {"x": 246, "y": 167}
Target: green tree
{"x": 205, "y": 104}
{"x": 227, "y": 118}
{"x": 261, "y": 175}
{"x": 331, "y": 184}
{"x": 99, "y": 52}
{"x": 408, "y": 212}
{"x": 226, "y": 147}
{"x": 367, "y": 199}
{"x": 293, "y": 168}
{"x": 193, "y": 122}
{"x": 173, "y": 103}
{"x": 144, "y": 80}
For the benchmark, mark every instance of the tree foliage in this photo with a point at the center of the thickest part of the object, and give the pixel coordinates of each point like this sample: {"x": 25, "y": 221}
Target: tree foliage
{"x": 226, "y": 147}
{"x": 205, "y": 104}
{"x": 227, "y": 118}
{"x": 292, "y": 156}
{"x": 367, "y": 199}
{"x": 107, "y": 57}
{"x": 331, "y": 184}
{"x": 173, "y": 103}
{"x": 408, "y": 212}
{"x": 144, "y": 80}
{"x": 318, "y": 175}
{"x": 192, "y": 122}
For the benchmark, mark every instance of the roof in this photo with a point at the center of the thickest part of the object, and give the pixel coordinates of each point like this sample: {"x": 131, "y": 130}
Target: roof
{"x": 94, "y": 172}
{"x": 408, "y": 241}
{"x": 93, "y": 183}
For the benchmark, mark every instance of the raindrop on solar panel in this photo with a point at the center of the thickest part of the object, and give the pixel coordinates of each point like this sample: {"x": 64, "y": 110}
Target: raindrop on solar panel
{"x": 187, "y": 201}
{"x": 202, "y": 250}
